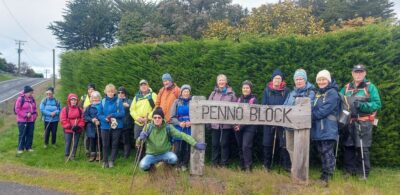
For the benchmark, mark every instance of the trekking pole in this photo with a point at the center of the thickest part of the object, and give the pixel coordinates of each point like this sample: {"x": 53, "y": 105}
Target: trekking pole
{"x": 336, "y": 152}
{"x": 361, "y": 147}
{"x": 47, "y": 127}
{"x": 98, "y": 143}
{"x": 137, "y": 157}
{"x": 73, "y": 143}
{"x": 273, "y": 147}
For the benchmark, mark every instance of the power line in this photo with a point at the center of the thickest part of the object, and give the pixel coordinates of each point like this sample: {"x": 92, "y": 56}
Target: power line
{"x": 22, "y": 28}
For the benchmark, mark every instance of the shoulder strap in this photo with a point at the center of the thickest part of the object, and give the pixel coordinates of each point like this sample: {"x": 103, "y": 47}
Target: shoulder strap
{"x": 251, "y": 101}
{"x": 22, "y": 102}
{"x": 103, "y": 102}
{"x": 67, "y": 111}
{"x": 150, "y": 99}
{"x": 366, "y": 88}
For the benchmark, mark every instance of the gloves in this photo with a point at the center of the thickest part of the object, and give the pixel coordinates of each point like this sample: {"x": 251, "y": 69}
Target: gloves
{"x": 108, "y": 118}
{"x": 200, "y": 146}
{"x": 143, "y": 135}
{"x": 75, "y": 128}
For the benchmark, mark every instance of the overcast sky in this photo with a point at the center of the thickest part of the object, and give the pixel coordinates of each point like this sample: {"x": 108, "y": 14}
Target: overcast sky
{"x": 27, "y": 20}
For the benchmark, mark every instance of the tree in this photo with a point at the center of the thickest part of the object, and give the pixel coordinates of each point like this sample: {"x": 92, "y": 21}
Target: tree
{"x": 3, "y": 63}
{"x": 272, "y": 19}
{"x": 135, "y": 14}
{"x": 86, "y": 24}
{"x": 333, "y": 12}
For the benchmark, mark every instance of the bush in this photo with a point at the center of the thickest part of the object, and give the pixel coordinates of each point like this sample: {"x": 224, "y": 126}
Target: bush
{"x": 199, "y": 62}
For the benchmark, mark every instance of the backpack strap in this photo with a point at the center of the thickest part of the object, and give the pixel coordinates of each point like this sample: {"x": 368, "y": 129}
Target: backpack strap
{"x": 251, "y": 101}
{"x": 150, "y": 99}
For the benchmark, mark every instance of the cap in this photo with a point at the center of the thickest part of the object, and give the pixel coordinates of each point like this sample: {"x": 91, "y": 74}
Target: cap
{"x": 359, "y": 67}
{"x": 143, "y": 82}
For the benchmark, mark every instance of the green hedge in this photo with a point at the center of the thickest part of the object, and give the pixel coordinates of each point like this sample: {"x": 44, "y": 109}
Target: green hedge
{"x": 199, "y": 62}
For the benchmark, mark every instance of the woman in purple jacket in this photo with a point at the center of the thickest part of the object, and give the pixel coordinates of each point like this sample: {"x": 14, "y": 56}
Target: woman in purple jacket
{"x": 25, "y": 109}
{"x": 221, "y": 134}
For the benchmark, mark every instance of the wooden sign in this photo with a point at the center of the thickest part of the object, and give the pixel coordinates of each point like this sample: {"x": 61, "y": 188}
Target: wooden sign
{"x": 295, "y": 117}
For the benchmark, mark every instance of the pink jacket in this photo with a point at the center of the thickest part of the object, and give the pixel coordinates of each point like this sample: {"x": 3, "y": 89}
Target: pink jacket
{"x": 28, "y": 106}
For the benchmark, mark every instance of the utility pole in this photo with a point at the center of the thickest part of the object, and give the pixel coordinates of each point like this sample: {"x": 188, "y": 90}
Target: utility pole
{"x": 45, "y": 73}
{"x": 54, "y": 68}
{"x": 19, "y": 50}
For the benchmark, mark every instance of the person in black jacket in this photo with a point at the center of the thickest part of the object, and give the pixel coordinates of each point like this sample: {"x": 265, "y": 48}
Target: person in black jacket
{"x": 128, "y": 121}
{"x": 245, "y": 133}
{"x": 275, "y": 93}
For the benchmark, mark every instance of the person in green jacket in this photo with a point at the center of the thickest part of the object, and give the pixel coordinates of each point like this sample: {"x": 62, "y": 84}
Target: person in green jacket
{"x": 363, "y": 98}
{"x": 157, "y": 136}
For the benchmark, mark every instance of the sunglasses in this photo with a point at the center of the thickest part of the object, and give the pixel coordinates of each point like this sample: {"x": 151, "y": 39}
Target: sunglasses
{"x": 121, "y": 92}
{"x": 157, "y": 117}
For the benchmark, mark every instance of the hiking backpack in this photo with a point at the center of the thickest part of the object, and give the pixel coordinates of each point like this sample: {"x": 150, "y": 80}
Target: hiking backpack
{"x": 22, "y": 102}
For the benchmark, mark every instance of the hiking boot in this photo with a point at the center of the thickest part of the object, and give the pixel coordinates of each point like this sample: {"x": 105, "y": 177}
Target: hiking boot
{"x": 111, "y": 164}
{"x": 45, "y": 146}
{"x": 184, "y": 168}
{"x": 19, "y": 152}
{"x": 31, "y": 150}
{"x": 105, "y": 165}
{"x": 92, "y": 158}
{"x": 72, "y": 158}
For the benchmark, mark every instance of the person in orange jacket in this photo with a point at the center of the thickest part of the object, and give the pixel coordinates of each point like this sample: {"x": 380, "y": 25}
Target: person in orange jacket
{"x": 73, "y": 123}
{"x": 167, "y": 95}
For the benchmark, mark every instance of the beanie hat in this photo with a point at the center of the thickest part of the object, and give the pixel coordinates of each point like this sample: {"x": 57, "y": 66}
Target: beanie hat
{"x": 91, "y": 85}
{"x": 185, "y": 86}
{"x": 28, "y": 89}
{"x": 276, "y": 73}
{"x": 167, "y": 77}
{"x": 51, "y": 89}
{"x": 300, "y": 73}
{"x": 122, "y": 89}
{"x": 249, "y": 83}
{"x": 159, "y": 111}
{"x": 325, "y": 74}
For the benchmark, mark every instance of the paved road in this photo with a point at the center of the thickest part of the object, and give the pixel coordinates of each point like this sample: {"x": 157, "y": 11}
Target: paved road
{"x": 7, "y": 188}
{"x": 11, "y": 88}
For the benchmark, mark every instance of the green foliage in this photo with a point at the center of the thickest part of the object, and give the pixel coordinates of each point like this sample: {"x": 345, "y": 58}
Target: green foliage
{"x": 86, "y": 24}
{"x": 199, "y": 62}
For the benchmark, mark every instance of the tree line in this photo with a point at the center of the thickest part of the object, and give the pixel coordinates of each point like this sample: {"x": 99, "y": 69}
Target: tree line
{"x": 25, "y": 69}
{"x": 105, "y": 23}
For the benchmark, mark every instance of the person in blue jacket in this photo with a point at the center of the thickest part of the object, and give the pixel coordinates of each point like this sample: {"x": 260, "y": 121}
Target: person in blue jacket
{"x": 275, "y": 93}
{"x": 324, "y": 131}
{"x": 181, "y": 121}
{"x": 50, "y": 108}
{"x": 93, "y": 125}
{"x": 302, "y": 88}
{"x": 111, "y": 115}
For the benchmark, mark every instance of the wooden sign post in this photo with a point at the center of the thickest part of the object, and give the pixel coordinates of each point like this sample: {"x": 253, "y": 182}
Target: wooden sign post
{"x": 296, "y": 117}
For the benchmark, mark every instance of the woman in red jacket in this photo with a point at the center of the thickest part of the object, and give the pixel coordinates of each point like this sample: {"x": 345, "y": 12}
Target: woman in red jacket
{"x": 73, "y": 122}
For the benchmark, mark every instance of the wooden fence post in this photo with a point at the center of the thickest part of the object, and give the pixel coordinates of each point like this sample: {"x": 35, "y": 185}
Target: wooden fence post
{"x": 197, "y": 156}
{"x": 300, "y": 161}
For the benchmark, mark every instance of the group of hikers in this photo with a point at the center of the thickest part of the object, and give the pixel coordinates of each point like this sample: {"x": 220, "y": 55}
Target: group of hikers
{"x": 161, "y": 122}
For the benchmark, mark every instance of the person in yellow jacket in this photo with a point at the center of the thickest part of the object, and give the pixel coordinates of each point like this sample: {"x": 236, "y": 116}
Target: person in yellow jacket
{"x": 85, "y": 99}
{"x": 142, "y": 106}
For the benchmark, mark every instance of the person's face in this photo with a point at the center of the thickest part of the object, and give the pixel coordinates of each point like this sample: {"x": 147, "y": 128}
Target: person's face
{"x": 299, "y": 82}
{"x": 186, "y": 93}
{"x": 29, "y": 94}
{"x": 121, "y": 95}
{"x": 246, "y": 90}
{"x": 277, "y": 80}
{"x": 157, "y": 120}
{"x": 166, "y": 83}
{"x": 358, "y": 75}
{"x": 221, "y": 82}
{"x": 90, "y": 90}
{"x": 110, "y": 93}
{"x": 95, "y": 100}
{"x": 144, "y": 87}
{"x": 49, "y": 94}
{"x": 322, "y": 82}
{"x": 73, "y": 101}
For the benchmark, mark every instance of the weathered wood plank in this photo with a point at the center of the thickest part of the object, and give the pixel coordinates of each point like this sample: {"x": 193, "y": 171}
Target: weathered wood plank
{"x": 300, "y": 161}
{"x": 197, "y": 156}
{"x": 295, "y": 117}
